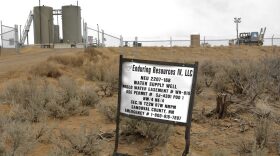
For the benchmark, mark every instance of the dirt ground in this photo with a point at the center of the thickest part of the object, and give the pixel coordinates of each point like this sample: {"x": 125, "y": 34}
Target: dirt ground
{"x": 12, "y": 63}
{"x": 207, "y": 137}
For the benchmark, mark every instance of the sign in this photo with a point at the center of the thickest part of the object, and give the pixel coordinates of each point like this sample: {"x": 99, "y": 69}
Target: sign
{"x": 156, "y": 91}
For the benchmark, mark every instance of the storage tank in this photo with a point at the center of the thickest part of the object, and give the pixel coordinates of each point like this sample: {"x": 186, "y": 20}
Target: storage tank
{"x": 71, "y": 24}
{"x": 43, "y": 24}
{"x": 56, "y": 33}
{"x": 195, "y": 40}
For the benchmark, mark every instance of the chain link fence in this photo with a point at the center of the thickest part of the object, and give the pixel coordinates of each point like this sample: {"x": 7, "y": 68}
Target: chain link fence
{"x": 180, "y": 42}
{"x": 95, "y": 37}
{"x": 9, "y": 38}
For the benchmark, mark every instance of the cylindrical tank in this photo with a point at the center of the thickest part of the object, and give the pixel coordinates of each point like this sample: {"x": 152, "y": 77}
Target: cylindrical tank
{"x": 43, "y": 25}
{"x": 71, "y": 24}
{"x": 195, "y": 40}
{"x": 56, "y": 33}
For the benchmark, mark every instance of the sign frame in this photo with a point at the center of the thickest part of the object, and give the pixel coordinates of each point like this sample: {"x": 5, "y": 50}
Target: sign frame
{"x": 191, "y": 101}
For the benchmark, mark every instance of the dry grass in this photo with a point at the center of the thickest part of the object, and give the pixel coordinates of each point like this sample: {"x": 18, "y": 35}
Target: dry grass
{"x": 88, "y": 96}
{"x": 155, "y": 133}
{"x": 271, "y": 67}
{"x": 208, "y": 70}
{"x": 244, "y": 147}
{"x": 86, "y": 143}
{"x": 109, "y": 109}
{"x": 220, "y": 152}
{"x": 18, "y": 138}
{"x": 35, "y": 99}
{"x": 46, "y": 69}
{"x": 68, "y": 60}
{"x": 262, "y": 132}
{"x": 101, "y": 68}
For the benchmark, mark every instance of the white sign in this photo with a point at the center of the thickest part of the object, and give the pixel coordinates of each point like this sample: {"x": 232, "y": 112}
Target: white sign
{"x": 156, "y": 91}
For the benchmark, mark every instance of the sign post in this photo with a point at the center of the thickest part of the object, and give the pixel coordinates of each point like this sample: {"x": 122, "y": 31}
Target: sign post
{"x": 156, "y": 91}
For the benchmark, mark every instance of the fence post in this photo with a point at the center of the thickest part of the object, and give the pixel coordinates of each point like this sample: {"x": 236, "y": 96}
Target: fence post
{"x": 98, "y": 39}
{"x": 272, "y": 39}
{"x": 16, "y": 39}
{"x": 204, "y": 41}
{"x": 121, "y": 41}
{"x": 171, "y": 42}
{"x": 103, "y": 38}
{"x": 136, "y": 42}
{"x": 1, "y": 35}
{"x": 85, "y": 35}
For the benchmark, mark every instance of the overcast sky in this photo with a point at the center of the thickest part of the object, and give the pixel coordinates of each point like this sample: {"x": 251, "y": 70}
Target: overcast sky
{"x": 161, "y": 18}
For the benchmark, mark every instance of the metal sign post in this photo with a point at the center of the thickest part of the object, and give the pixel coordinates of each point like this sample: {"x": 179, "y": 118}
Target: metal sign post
{"x": 156, "y": 91}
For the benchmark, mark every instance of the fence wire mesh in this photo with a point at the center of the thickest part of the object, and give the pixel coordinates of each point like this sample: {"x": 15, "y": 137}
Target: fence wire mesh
{"x": 8, "y": 39}
{"x": 204, "y": 41}
{"x": 100, "y": 38}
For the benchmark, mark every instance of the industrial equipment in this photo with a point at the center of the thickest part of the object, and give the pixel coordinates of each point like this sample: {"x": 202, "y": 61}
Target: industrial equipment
{"x": 251, "y": 38}
{"x": 71, "y": 24}
{"x": 43, "y": 25}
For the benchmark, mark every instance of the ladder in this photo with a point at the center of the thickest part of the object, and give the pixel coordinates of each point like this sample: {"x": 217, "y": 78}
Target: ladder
{"x": 26, "y": 28}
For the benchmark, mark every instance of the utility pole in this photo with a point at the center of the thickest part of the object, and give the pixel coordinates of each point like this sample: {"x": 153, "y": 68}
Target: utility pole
{"x": 237, "y": 20}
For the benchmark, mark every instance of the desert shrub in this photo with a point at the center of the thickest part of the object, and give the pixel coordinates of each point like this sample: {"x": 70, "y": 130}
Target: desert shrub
{"x": 105, "y": 89}
{"x": 155, "y": 133}
{"x": 220, "y": 152}
{"x": 66, "y": 102}
{"x": 86, "y": 142}
{"x": 28, "y": 99}
{"x": 109, "y": 109}
{"x": 68, "y": 60}
{"x": 272, "y": 66}
{"x": 103, "y": 70}
{"x": 199, "y": 85}
{"x": 208, "y": 71}
{"x": 244, "y": 147}
{"x": 46, "y": 69}
{"x": 69, "y": 87}
{"x": 259, "y": 151}
{"x": 88, "y": 96}
{"x": 34, "y": 99}
{"x": 245, "y": 78}
{"x": 19, "y": 137}
{"x": 43, "y": 132}
{"x": 262, "y": 132}
{"x": 93, "y": 54}
{"x": 237, "y": 76}
{"x": 95, "y": 72}
{"x": 222, "y": 83}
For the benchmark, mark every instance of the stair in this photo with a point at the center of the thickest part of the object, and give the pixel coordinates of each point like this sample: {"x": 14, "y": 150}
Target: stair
{"x": 26, "y": 28}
